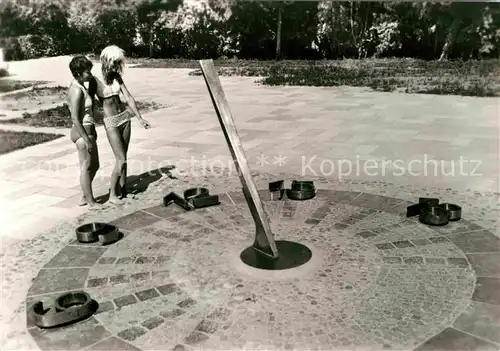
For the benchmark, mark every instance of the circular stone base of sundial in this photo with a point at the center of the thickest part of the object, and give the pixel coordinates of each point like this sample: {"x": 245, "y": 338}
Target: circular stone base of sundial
{"x": 290, "y": 255}
{"x": 366, "y": 278}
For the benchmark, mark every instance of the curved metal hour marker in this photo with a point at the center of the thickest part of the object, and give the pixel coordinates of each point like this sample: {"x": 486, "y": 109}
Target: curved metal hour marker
{"x": 454, "y": 211}
{"x": 264, "y": 239}
{"x": 193, "y": 198}
{"x": 301, "y": 190}
{"x": 434, "y": 215}
{"x": 431, "y": 212}
{"x": 93, "y": 232}
{"x": 68, "y": 308}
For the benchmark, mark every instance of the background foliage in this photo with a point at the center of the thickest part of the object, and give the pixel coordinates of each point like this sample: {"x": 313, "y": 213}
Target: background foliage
{"x": 251, "y": 30}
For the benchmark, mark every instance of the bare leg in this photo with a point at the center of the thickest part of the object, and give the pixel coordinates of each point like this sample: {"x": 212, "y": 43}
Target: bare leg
{"x": 94, "y": 167}
{"x": 83, "y": 200}
{"x": 116, "y": 141}
{"x": 92, "y": 173}
{"x": 125, "y": 131}
{"x": 94, "y": 161}
{"x": 85, "y": 173}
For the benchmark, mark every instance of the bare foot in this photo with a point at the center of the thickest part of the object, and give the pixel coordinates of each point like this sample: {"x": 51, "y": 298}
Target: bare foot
{"x": 83, "y": 201}
{"x": 94, "y": 205}
{"x": 115, "y": 200}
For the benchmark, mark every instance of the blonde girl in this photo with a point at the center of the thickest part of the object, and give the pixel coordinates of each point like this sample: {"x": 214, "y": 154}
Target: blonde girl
{"x": 117, "y": 116}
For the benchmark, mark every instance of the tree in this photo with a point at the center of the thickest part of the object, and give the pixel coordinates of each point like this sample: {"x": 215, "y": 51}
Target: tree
{"x": 250, "y": 26}
{"x": 345, "y": 28}
{"x": 143, "y": 16}
{"x": 115, "y": 26}
{"x": 465, "y": 16}
{"x": 272, "y": 29}
{"x": 13, "y": 21}
{"x": 278, "y": 30}
{"x": 150, "y": 11}
{"x": 300, "y": 22}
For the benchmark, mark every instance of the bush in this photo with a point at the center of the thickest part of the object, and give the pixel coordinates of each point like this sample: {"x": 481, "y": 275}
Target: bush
{"x": 410, "y": 76}
{"x": 81, "y": 41}
{"x": 8, "y": 85}
{"x": 114, "y": 26}
{"x": 317, "y": 76}
{"x": 12, "y": 48}
{"x": 29, "y": 46}
{"x": 12, "y": 140}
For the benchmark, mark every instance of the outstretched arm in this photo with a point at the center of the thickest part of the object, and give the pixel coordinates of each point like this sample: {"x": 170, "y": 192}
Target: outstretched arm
{"x": 131, "y": 102}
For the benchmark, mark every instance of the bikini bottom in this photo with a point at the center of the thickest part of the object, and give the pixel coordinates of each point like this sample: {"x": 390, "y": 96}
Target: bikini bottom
{"x": 89, "y": 128}
{"x": 117, "y": 120}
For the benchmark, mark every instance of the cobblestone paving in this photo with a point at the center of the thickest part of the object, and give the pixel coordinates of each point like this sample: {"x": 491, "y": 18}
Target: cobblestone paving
{"x": 384, "y": 282}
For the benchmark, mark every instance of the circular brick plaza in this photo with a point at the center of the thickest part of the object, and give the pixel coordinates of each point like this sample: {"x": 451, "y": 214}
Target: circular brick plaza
{"x": 377, "y": 280}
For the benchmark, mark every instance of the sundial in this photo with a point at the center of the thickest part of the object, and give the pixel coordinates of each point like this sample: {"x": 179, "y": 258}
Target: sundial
{"x": 265, "y": 252}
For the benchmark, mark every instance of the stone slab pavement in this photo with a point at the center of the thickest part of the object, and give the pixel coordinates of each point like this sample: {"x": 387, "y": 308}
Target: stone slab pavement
{"x": 342, "y": 132}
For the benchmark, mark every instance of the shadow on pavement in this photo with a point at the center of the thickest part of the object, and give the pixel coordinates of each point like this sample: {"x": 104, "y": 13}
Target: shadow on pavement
{"x": 137, "y": 184}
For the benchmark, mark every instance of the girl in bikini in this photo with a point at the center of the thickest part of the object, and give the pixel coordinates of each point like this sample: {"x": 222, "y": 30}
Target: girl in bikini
{"x": 117, "y": 116}
{"x": 83, "y": 132}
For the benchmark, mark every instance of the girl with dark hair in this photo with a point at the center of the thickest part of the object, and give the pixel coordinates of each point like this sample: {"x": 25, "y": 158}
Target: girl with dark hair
{"x": 83, "y": 132}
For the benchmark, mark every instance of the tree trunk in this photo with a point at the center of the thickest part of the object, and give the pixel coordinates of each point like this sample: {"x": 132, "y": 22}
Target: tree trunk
{"x": 331, "y": 18}
{"x": 340, "y": 12}
{"x": 444, "y": 51}
{"x": 354, "y": 39}
{"x": 151, "y": 37}
{"x": 450, "y": 38}
{"x": 436, "y": 40}
{"x": 278, "y": 32}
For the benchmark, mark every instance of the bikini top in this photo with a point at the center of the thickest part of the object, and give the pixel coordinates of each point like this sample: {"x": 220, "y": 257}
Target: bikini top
{"x": 105, "y": 91}
{"x": 87, "y": 115}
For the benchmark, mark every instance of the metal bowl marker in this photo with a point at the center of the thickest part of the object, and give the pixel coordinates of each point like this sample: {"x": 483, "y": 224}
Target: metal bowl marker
{"x": 86, "y": 233}
{"x": 454, "y": 211}
{"x": 423, "y": 202}
{"x": 434, "y": 215}
{"x": 93, "y": 232}
{"x": 68, "y": 308}
{"x": 72, "y": 299}
{"x": 302, "y": 184}
{"x": 301, "y": 190}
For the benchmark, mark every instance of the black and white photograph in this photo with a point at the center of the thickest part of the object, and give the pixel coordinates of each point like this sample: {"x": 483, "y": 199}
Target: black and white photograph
{"x": 249, "y": 175}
